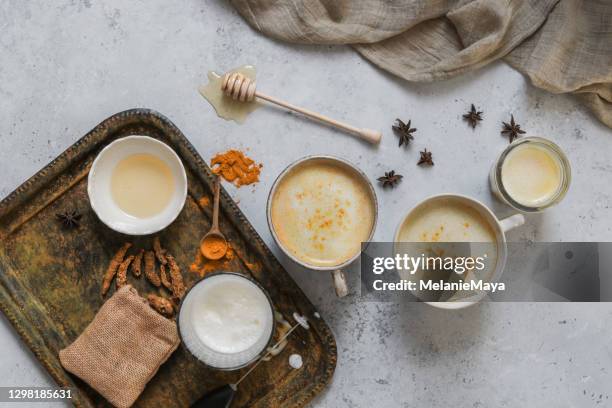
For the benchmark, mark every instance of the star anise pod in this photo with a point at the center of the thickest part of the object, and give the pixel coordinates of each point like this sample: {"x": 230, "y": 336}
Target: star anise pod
{"x": 404, "y": 132}
{"x": 69, "y": 219}
{"x": 512, "y": 129}
{"x": 426, "y": 158}
{"x": 473, "y": 117}
{"x": 390, "y": 179}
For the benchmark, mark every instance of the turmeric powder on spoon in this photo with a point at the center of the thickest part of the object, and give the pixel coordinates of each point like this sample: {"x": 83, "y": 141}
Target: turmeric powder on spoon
{"x": 214, "y": 247}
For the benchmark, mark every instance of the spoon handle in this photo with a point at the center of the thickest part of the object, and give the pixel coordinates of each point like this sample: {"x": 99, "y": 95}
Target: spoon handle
{"x": 217, "y": 193}
{"x": 369, "y": 135}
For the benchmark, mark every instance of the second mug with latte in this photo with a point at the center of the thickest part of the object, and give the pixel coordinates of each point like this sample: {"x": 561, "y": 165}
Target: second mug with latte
{"x": 453, "y": 225}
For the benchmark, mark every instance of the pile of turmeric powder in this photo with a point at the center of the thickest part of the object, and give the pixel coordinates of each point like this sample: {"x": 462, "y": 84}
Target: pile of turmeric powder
{"x": 203, "y": 266}
{"x": 236, "y": 168}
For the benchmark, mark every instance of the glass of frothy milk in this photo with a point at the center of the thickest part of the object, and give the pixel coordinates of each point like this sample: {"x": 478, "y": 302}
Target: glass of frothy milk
{"x": 531, "y": 174}
{"x": 226, "y": 320}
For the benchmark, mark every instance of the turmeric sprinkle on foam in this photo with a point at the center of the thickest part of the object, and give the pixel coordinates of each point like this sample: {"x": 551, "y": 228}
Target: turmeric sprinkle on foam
{"x": 326, "y": 224}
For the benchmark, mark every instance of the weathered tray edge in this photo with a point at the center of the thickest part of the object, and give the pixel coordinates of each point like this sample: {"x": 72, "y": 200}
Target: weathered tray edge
{"x": 79, "y": 149}
{"x": 25, "y": 330}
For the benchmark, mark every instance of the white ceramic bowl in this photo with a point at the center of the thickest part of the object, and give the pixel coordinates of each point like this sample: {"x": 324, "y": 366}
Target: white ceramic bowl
{"x": 100, "y": 197}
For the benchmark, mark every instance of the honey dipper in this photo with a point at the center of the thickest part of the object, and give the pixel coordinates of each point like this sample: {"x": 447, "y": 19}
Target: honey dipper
{"x": 242, "y": 88}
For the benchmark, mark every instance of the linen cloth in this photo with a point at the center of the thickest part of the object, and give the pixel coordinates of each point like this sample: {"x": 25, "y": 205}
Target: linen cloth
{"x": 122, "y": 348}
{"x": 563, "y": 46}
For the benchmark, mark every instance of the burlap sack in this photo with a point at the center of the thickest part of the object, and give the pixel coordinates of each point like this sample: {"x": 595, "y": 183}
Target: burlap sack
{"x": 563, "y": 46}
{"x": 122, "y": 348}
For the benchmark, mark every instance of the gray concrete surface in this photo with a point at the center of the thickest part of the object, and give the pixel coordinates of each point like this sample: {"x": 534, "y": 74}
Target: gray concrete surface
{"x": 66, "y": 65}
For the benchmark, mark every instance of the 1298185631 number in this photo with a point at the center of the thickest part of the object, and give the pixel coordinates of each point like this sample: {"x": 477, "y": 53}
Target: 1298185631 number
{"x": 16, "y": 394}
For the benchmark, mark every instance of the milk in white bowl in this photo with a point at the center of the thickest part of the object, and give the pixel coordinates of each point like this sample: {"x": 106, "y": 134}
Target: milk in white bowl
{"x": 226, "y": 320}
{"x": 137, "y": 185}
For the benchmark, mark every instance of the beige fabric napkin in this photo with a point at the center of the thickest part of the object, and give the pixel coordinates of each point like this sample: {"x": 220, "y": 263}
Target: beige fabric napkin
{"x": 563, "y": 46}
{"x": 122, "y": 348}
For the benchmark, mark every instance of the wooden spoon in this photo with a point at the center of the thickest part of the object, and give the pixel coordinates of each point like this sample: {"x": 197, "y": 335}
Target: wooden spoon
{"x": 214, "y": 245}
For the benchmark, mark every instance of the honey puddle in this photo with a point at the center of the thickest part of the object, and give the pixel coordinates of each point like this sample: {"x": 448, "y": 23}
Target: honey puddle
{"x": 225, "y": 106}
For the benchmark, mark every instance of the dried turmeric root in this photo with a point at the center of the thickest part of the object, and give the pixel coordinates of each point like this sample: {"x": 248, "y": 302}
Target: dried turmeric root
{"x": 163, "y": 275}
{"x": 159, "y": 251}
{"x": 178, "y": 287}
{"x": 137, "y": 264}
{"x": 150, "y": 272}
{"x": 121, "y": 279}
{"x": 161, "y": 305}
{"x": 113, "y": 266}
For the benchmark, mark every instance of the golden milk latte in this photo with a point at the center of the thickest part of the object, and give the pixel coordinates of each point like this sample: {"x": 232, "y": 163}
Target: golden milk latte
{"x": 446, "y": 220}
{"x": 447, "y": 227}
{"x": 321, "y": 212}
{"x": 531, "y": 175}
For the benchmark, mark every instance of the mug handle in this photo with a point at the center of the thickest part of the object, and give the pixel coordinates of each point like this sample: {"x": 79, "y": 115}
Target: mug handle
{"x": 339, "y": 283}
{"x": 512, "y": 222}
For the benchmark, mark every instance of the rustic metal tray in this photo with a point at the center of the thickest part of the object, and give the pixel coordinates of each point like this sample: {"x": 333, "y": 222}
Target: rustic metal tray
{"x": 50, "y": 277}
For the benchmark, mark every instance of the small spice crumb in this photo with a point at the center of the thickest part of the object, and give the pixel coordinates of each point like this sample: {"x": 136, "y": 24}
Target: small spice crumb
{"x": 204, "y": 201}
{"x": 162, "y": 305}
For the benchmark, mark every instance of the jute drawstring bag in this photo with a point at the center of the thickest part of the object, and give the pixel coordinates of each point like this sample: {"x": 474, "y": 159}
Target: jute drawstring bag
{"x": 122, "y": 348}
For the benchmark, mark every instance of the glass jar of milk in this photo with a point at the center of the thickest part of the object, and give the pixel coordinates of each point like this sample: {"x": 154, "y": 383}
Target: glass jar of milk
{"x": 226, "y": 320}
{"x": 531, "y": 174}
